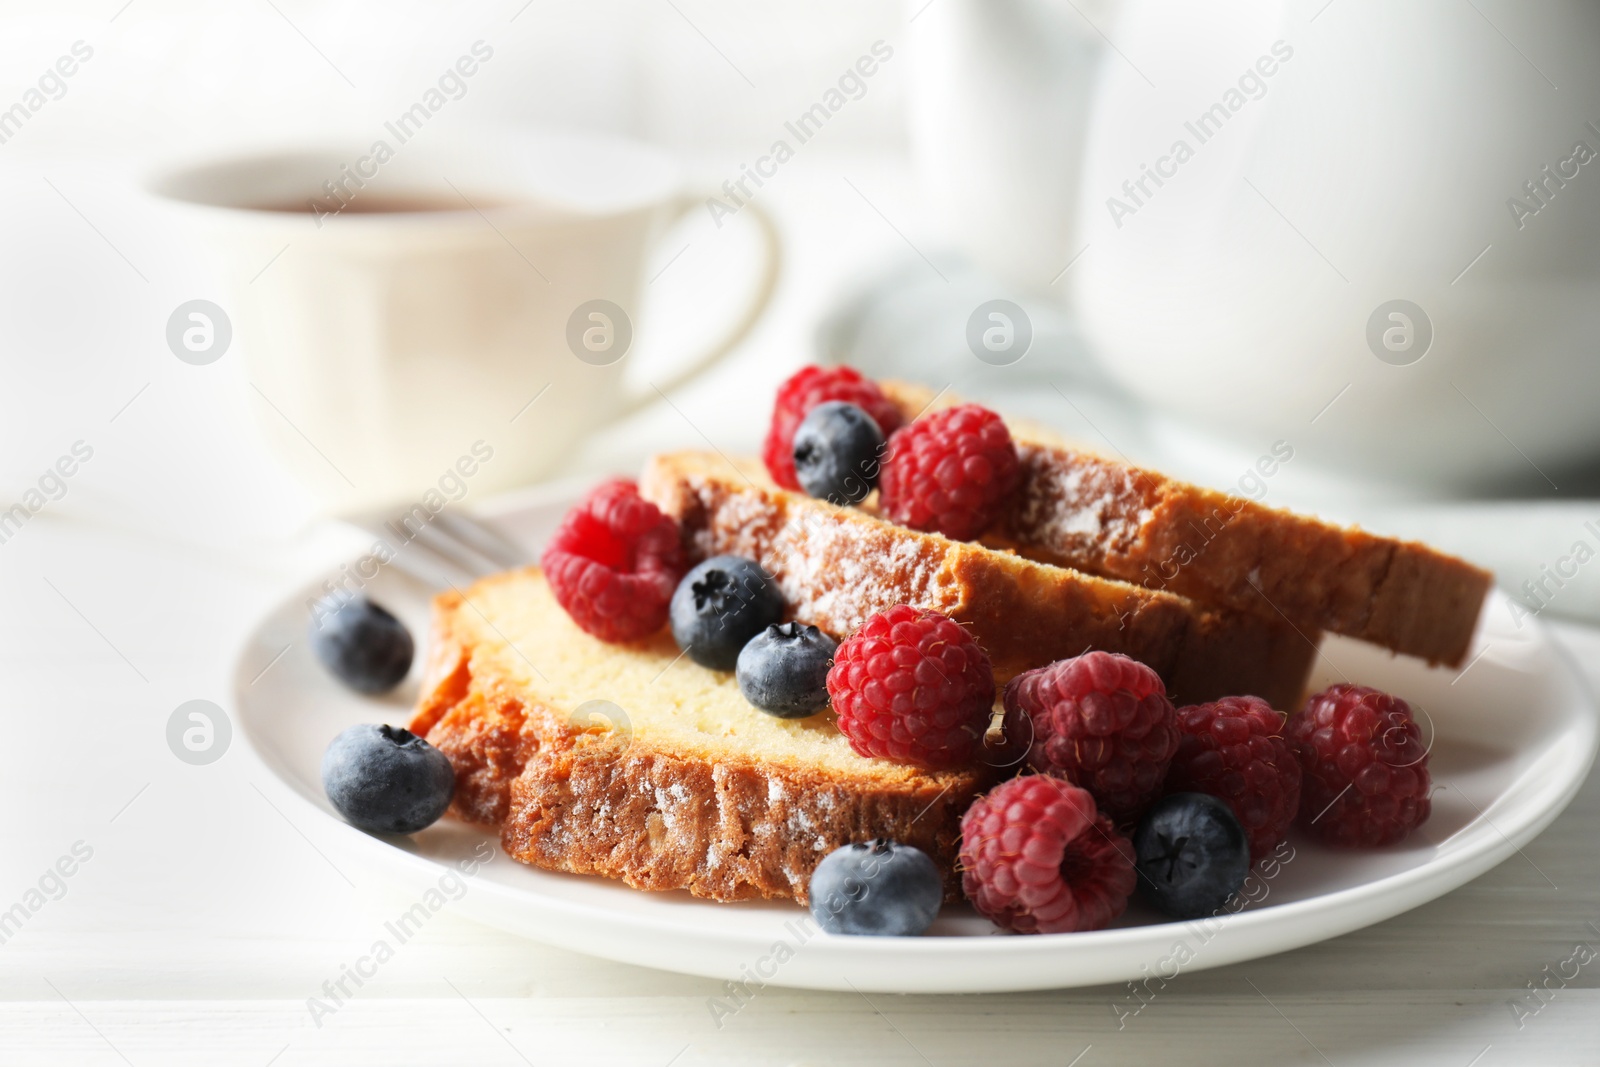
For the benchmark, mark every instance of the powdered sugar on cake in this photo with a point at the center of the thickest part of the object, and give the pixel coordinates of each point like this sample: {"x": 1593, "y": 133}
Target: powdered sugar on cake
{"x": 820, "y": 565}
{"x": 1087, "y": 506}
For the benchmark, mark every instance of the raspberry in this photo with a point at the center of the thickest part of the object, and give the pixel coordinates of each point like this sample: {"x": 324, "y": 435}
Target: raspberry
{"x": 614, "y": 562}
{"x": 1101, "y": 721}
{"x": 1366, "y": 770}
{"x": 1234, "y": 749}
{"x": 914, "y": 687}
{"x": 950, "y": 472}
{"x": 804, "y": 390}
{"x": 1038, "y": 858}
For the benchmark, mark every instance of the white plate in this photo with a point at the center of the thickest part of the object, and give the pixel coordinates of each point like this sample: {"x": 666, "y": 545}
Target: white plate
{"x": 1513, "y": 737}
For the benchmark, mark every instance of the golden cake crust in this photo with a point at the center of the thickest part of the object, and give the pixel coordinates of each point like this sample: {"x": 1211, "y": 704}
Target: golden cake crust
{"x": 1098, "y": 514}
{"x": 838, "y": 566}
{"x": 729, "y": 830}
{"x": 571, "y": 794}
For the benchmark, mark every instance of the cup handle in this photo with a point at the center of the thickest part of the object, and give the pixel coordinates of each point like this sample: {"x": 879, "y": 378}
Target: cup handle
{"x": 771, "y": 268}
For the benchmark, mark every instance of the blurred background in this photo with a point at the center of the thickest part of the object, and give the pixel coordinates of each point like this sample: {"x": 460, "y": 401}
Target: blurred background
{"x": 92, "y": 269}
{"x": 1334, "y": 258}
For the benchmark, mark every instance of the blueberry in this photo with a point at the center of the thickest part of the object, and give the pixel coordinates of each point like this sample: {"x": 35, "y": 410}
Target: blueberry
{"x": 720, "y": 605}
{"x": 838, "y": 449}
{"x": 783, "y": 670}
{"x": 1191, "y": 854}
{"x": 385, "y": 779}
{"x": 877, "y": 887}
{"x": 360, "y": 643}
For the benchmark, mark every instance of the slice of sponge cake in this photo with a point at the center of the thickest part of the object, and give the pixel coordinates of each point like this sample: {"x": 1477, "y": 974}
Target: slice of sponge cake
{"x": 1105, "y": 516}
{"x": 837, "y": 566}
{"x": 633, "y": 762}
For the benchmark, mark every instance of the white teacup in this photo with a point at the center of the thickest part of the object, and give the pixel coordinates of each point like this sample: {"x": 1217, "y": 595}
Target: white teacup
{"x": 428, "y": 310}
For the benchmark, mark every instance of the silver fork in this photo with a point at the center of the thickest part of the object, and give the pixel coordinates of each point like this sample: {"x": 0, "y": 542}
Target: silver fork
{"x": 446, "y": 549}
